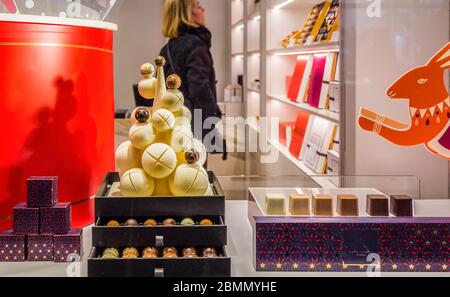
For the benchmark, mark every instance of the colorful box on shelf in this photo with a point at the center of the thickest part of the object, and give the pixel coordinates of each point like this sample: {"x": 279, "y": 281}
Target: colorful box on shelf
{"x": 343, "y": 243}
{"x": 286, "y": 132}
{"x": 68, "y": 247}
{"x": 25, "y": 219}
{"x": 40, "y": 247}
{"x": 42, "y": 191}
{"x": 56, "y": 219}
{"x": 12, "y": 247}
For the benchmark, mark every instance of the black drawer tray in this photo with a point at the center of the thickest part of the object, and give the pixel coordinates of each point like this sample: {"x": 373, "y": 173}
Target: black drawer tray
{"x": 159, "y": 236}
{"x": 158, "y": 206}
{"x": 178, "y": 267}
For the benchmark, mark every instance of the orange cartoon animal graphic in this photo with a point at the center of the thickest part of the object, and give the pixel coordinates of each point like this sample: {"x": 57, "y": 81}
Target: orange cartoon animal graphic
{"x": 429, "y": 104}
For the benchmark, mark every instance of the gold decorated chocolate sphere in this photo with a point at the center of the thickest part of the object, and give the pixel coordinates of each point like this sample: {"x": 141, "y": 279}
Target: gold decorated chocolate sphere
{"x": 190, "y": 253}
{"x": 173, "y": 82}
{"x": 147, "y": 69}
{"x": 209, "y": 253}
{"x": 150, "y": 223}
{"x": 113, "y": 223}
{"x": 150, "y": 253}
{"x": 142, "y": 115}
{"x": 160, "y": 61}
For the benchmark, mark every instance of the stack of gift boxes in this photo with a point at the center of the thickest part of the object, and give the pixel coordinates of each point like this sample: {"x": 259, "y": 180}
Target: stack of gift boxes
{"x": 41, "y": 227}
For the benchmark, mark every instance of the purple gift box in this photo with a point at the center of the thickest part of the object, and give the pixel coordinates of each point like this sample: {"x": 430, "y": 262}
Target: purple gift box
{"x": 56, "y": 219}
{"x": 12, "y": 247}
{"x": 69, "y": 247}
{"x": 40, "y": 247}
{"x": 25, "y": 219}
{"x": 42, "y": 191}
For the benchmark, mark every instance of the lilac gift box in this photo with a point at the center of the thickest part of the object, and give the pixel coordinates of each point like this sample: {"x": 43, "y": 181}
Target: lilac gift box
{"x": 12, "y": 247}
{"x": 42, "y": 191}
{"x": 56, "y": 219}
{"x": 348, "y": 244}
{"x": 40, "y": 247}
{"x": 25, "y": 219}
{"x": 69, "y": 247}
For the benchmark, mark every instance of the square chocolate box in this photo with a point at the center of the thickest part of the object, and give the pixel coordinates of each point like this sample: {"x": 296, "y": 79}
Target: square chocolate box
{"x": 42, "y": 191}
{"x": 40, "y": 248}
{"x": 25, "y": 219}
{"x": 12, "y": 247}
{"x": 56, "y": 219}
{"x": 69, "y": 247}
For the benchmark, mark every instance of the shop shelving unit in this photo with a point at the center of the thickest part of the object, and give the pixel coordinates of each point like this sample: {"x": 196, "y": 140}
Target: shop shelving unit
{"x": 265, "y": 65}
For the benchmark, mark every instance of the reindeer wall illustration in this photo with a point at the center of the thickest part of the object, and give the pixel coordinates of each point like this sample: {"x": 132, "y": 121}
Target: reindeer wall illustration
{"x": 429, "y": 104}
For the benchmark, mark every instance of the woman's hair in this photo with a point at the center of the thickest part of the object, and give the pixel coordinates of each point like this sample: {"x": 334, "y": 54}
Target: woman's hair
{"x": 176, "y": 13}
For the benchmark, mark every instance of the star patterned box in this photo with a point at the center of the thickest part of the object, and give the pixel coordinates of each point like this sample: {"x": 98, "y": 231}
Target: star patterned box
{"x": 42, "y": 191}
{"x": 12, "y": 247}
{"x": 40, "y": 247}
{"x": 25, "y": 219}
{"x": 350, "y": 244}
{"x": 69, "y": 247}
{"x": 56, "y": 219}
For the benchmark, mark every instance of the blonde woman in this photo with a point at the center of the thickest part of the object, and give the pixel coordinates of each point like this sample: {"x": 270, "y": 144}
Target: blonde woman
{"x": 188, "y": 54}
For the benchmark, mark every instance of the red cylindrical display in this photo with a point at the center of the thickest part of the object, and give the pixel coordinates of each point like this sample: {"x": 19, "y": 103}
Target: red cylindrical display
{"x": 57, "y": 111}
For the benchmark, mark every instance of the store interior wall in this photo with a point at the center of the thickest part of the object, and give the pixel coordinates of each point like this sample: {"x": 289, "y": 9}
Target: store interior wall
{"x": 387, "y": 47}
{"x": 139, "y": 39}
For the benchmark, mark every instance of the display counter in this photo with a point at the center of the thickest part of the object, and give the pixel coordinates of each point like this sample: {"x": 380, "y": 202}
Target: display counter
{"x": 56, "y": 81}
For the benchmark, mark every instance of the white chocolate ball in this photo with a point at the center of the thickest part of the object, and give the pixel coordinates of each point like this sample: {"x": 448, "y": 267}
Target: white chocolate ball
{"x": 159, "y": 160}
{"x": 173, "y": 100}
{"x": 163, "y": 120}
{"x": 189, "y": 180}
{"x": 142, "y": 135}
{"x": 127, "y": 157}
{"x": 182, "y": 121}
{"x": 201, "y": 149}
{"x": 183, "y": 112}
{"x": 181, "y": 139}
{"x": 147, "y": 86}
{"x": 136, "y": 183}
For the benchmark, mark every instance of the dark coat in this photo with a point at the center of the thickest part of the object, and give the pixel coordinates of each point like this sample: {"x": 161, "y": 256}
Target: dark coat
{"x": 190, "y": 58}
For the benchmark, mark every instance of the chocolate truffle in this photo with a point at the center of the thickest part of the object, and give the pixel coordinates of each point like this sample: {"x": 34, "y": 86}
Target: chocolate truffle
{"x": 131, "y": 223}
{"x": 150, "y": 253}
{"x": 206, "y": 222}
{"x": 142, "y": 115}
{"x": 275, "y": 205}
{"x": 209, "y": 253}
{"x": 109, "y": 256}
{"x": 402, "y": 206}
{"x": 130, "y": 251}
{"x": 113, "y": 223}
{"x": 190, "y": 253}
{"x": 150, "y": 223}
{"x": 322, "y": 205}
{"x": 169, "y": 222}
{"x": 377, "y": 205}
{"x": 299, "y": 205}
{"x": 170, "y": 253}
{"x": 111, "y": 252}
{"x": 130, "y": 256}
{"x": 348, "y": 206}
{"x": 188, "y": 222}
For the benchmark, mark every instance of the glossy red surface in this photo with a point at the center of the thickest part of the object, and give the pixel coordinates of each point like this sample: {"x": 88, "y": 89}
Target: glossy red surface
{"x": 57, "y": 111}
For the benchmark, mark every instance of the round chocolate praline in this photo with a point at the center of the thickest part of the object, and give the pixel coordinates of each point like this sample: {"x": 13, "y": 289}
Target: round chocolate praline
{"x": 206, "y": 222}
{"x": 169, "y": 222}
{"x": 150, "y": 252}
{"x": 111, "y": 251}
{"x": 150, "y": 223}
{"x": 131, "y": 222}
{"x": 113, "y": 223}
{"x": 187, "y": 222}
{"x": 131, "y": 250}
{"x": 142, "y": 115}
{"x": 190, "y": 253}
{"x": 209, "y": 253}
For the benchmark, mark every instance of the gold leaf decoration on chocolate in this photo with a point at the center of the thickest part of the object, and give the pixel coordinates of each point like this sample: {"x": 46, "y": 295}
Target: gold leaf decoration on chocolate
{"x": 160, "y": 61}
{"x": 173, "y": 82}
{"x": 147, "y": 69}
{"x": 192, "y": 156}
